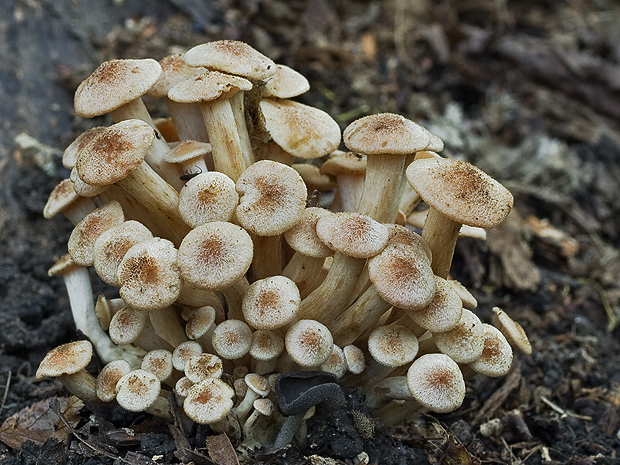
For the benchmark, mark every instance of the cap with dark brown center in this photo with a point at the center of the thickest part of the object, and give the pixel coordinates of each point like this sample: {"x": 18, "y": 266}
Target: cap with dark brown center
{"x": 393, "y": 345}
{"x": 208, "y": 197}
{"x": 443, "y": 312}
{"x": 496, "y": 357}
{"x": 309, "y": 343}
{"x": 137, "y": 390}
{"x": 208, "y": 401}
{"x": 232, "y": 339}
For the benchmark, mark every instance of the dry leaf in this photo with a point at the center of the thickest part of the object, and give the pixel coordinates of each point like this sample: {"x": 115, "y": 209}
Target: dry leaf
{"x": 221, "y": 450}
{"x": 38, "y": 422}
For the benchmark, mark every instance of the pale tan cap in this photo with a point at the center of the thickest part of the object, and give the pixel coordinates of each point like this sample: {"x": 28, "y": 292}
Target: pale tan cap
{"x": 285, "y": 83}
{"x": 208, "y": 86}
{"x": 266, "y": 344}
{"x": 232, "y": 339}
{"x": 436, "y": 382}
{"x": 137, "y": 390}
{"x": 403, "y": 277}
{"x": 353, "y": 234}
{"x": 158, "y": 362}
{"x": 311, "y": 174}
{"x": 108, "y": 378}
{"x": 113, "y": 84}
{"x": 115, "y": 152}
{"x": 400, "y": 234}
{"x": 208, "y": 401}
{"x": 464, "y": 342}
{"x": 149, "y": 275}
{"x": 126, "y": 325}
{"x": 231, "y": 56}
{"x": 273, "y": 198}
{"x": 208, "y": 197}
{"x": 393, "y": 345}
{"x": 386, "y": 133}
{"x": 173, "y": 70}
{"x": 496, "y": 357}
{"x": 460, "y": 191}
{"x": 215, "y": 255}
{"x": 85, "y": 234}
{"x": 303, "y": 238}
{"x": 183, "y": 352}
{"x": 340, "y": 162}
{"x": 66, "y": 359}
{"x": 112, "y": 245}
{"x": 443, "y": 312}
{"x": 512, "y": 331}
{"x": 301, "y": 130}
{"x": 200, "y": 321}
{"x": 309, "y": 343}
{"x": 355, "y": 359}
{"x": 70, "y": 155}
{"x": 271, "y": 303}
{"x": 201, "y": 366}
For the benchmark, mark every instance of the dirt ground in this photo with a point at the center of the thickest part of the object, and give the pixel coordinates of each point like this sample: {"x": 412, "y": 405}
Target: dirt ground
{"x": 529, "y": 91}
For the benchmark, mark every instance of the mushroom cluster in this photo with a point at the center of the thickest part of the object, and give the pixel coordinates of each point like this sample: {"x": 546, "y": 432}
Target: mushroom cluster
{"x": 244, "y": 244}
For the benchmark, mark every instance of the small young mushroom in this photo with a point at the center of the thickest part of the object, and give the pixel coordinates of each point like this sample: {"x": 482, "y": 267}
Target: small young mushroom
{"x": 443, "y": 312}
{"x": 138, "y": 391}
{"x": 463, "y": 343}
{"x": 108, "y": 378}
{"x": 285, "y": 83}
{"x": 349, "y": 169}
{"x": 266, "y": 346}
{"x": 436, "y": 382}
{"x": 496, "y": 357}
{"x": 232, "y": 339}
{"x": 354, "y": 356}
{"x": 271, "y": 303}
{"x": 183, "y": 352}
{"x": 336, "y": 363}
{"x": 158, "y": 362}
{"x": 201, "y": 366}
{"x": 64, "y": 199}
{"x": 393, "y": 345}
{"x": 208, "y": 401}
{"x": 512, "y": 331}
{"x": 309, "y": 343}
{"x": 67, "y": 363}
{"x": 209, "y": 196}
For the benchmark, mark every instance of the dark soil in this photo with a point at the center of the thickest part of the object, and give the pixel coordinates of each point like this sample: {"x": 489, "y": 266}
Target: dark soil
{"x": 529, "y": 91}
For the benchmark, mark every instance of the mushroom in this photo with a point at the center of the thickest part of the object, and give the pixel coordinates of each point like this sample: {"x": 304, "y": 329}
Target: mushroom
{"x": 309, "y": 343}
{"x": 108, "y": 378}
{"x": 158, "y": 362}
{"x": 285, "y": 83}
{"x": 271, "y": 303}
{"x": 64, "y": 199}
{"x": 512, "y": 331}
{"x": 201, "y": 366}
{"x": 436, "y": 382}
{"x": 208, "y": 401}
{"x": 464, "y": 342}
{"x": 67, "y": 363}
{"x": 458, "y": 193}
{"x": 208, "y": 197}
{"x": 138, "y": 391}
{"x": 266, "y": 346}
{"x": 393, "y": 345}
{"x": 354, "y": 356}
{"x": 335, "y": 363}
{"x": 443, "y": 312}
{"x": 258, "y": 386}
{"x": 232, "y": 339}
{"x": 386, "y": 139}
{"x": 496, "y": 357}
{"x": 349, "y": 169}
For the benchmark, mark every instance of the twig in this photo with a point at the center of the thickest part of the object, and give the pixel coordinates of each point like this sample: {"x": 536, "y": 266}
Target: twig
{"x": 564, "y": 413}
{"x": 6, "y": 390}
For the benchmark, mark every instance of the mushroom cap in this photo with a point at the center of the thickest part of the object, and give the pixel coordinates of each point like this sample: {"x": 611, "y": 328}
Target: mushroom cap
{"x": 112, "y": 245}
{"x": 464, "y": 342}
{"x": 82, "y": 241}
{"x": 187, "y": 150}
{"x": 108, "y": 378}
{"x": 182, "y": 387}
{"x": 208, "y": 197}
{"x": 460, "y": 191}
{"x": 496, "y": 357}
{"x": 266, "y": 344}
{"x": 335, "y": 363}
{"x": 208, "y": 86}
{"x": 149, "y": 275}
{"x": 137, "y": 390}
{"x": 208, "y": 401}
{"x": 302, "y": 237}
{"x": 70, "y": 155}
{"x": 469, "y": 301}
{"x": 301, "y": 130}
{"x": 201, "y": 366}
{"x": 257, "y": 383}
{"x": 273, "y": 198}
{"x": 233, "y": 57}
{"x": 263, "y": 406}
{"x": 309, "y": 343}
{"x": 355, "y": 359}
{"x": 393, "y": 345}
{"x": 200, "y": 321}
{"x": 173, "y": 70}
{"x": 311, "y": 174}
{"x": 114, "y": 152}
{"x": 512, "y": 331}
{"x": 158, "y": 362}
{"x": 82, "y": 188}
{"x": 183, "y": 352}
{"x": 443, "y": 312}
{"x": 402, "y": 235}
{"x": 386, "y": 133}
{"x": 232, "y": 339}
{"x": 215, "y": 255}
{"x": 62, "y": 196}
{"x": 352, "y": 234}
{"x": 340, "y": 163}
{"x": 271, "y": 303}
{"x": 436, "y": 382}
{"x": 113, "y": 84}
{"x": 285, "y": 83}
{"x": 403, "y": 277}
{"x": 66, "y": 359}
{"x": 126, "y": 325}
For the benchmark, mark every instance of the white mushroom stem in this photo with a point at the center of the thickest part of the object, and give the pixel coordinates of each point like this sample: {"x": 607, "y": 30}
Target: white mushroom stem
{"x": 350, "y": 189}
{"x": 391, "y": 388}
{"x": 82, "y": 304}
{"x": 327, "y": 300}
{"x": 226, "y": 147}
{"x": 187, "y": 119}
{"x": 409, "y": 200}
{"x": 304, "y": 271}
{"x": 263, "y": 367}
{"x": 383, "y": 187}
{"x": 157, "y": 197}
{"x": 352, "y": 323}
{"x": 237, "y": 103}
{"x": 234, "y": 297}
{"x": 267, "y": 259}
{"x": 166, "y": 324}
{"x": 440, "y": 233}
{"x": 82, "y": 385}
